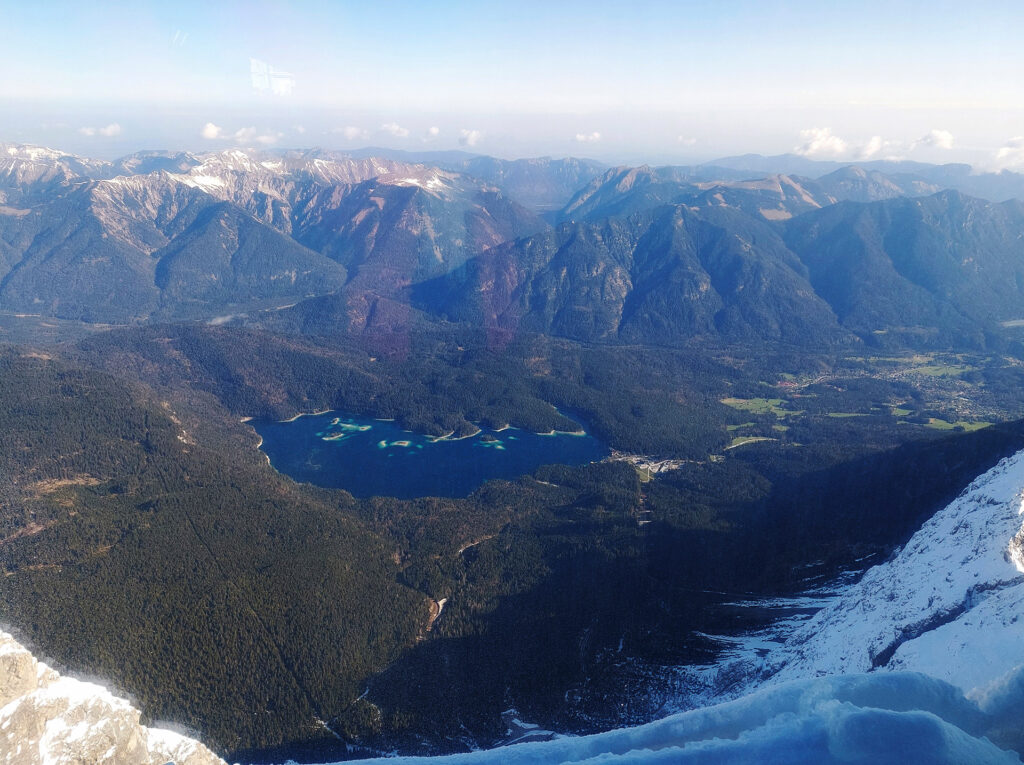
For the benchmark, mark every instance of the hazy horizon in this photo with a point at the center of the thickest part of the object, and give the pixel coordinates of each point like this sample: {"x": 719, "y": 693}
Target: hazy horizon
{"x": 657, "y": 82}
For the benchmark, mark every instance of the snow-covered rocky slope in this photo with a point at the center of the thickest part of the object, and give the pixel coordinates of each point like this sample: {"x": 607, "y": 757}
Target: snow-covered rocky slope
{"x": 949, "y": 604}
{"x": 920, "y": 661}
{"x": 47, "y": 719}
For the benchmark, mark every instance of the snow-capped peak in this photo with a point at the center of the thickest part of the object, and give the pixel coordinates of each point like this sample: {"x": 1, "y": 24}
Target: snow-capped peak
{"x": 36, "y": 153}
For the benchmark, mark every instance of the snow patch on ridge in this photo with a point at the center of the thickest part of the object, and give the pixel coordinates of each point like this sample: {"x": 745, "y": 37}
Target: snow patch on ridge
{"x": 1016, "y": 548}
{"x": 203, "y": 181}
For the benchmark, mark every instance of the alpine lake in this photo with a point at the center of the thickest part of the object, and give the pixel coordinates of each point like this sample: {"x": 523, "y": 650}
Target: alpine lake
{"x": 369, "y": 457}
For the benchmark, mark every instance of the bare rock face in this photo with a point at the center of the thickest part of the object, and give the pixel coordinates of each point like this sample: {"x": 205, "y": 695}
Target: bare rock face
{"x": 46, "y": 719}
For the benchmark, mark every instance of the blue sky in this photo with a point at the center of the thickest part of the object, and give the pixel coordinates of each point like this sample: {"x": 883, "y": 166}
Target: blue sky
{"x": 656, "y": 81}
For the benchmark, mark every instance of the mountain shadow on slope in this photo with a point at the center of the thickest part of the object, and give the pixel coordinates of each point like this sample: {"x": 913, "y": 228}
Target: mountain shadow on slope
{"x": 944, "y": 269}
{"x": 663, "y": 277}
{"x": 226, "y": 258}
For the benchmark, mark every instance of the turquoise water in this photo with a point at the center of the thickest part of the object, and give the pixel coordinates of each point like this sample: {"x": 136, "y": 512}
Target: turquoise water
{"x": 370, "y": 457}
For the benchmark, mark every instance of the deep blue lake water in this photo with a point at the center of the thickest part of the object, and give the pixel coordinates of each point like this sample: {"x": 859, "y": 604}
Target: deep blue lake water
{"x": 370, "y": 457}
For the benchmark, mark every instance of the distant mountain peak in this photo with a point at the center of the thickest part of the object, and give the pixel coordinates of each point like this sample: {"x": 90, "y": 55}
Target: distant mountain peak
{"x": 34, "y": 153}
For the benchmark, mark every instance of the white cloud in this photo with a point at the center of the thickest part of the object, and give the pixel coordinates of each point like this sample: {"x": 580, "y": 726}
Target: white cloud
{"x": 352, "y": 133}
{"x": 246, "y": 135}
{"x": 937, "y": 139}
{"x": 872, "y": 147}
{"x": 211, "y": 131}
{"x": 432, "y": 133}
{"x": 1011, "y": 154}
{"x": 588, "y": 137}
{"x": 300, "y": 129}
{"x": 111, "y": 130}
{"x": 820, "y": 142}
{"x": 470, "y": 137}
{"x": 250, "y": 135}
{"x": 393, "y": 128}
{"x": 686, "y": 140}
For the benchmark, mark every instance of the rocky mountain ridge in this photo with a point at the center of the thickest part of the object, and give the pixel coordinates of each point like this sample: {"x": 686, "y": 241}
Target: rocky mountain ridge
{"x": 937, "y": 271}
{"x": 79, "y": 240}
{"x": 664, "y": 255}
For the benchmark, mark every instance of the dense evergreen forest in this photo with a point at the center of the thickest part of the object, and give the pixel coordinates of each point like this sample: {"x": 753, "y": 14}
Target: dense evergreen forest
{"x": 147, "y": 541}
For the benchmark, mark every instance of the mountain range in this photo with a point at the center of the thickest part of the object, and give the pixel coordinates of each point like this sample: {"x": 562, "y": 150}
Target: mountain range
{"x": 664, "y": 255}
{"x": 228, "y": 231}
{"x": 943, "y": 270}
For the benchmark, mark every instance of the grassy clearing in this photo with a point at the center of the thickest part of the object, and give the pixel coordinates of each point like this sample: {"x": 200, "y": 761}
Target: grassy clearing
{"x": 760, "y": 406}
{"x": 942, "y": 370}
{"x": 937, "y": 424}
{"x": 843, "y": 415}
{"x": 732, "y": 428}
{"x": 917, "y": 358}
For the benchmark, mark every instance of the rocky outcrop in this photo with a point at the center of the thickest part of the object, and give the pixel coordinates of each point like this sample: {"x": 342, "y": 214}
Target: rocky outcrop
{"x": 47, "y": 719}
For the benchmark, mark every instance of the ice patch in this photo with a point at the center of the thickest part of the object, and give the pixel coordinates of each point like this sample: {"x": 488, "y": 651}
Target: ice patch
{"x": 880, "y": 719}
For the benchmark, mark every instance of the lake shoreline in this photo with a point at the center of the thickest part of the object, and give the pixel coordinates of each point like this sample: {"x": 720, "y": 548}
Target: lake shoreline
{"x": 247, "y": 419}
{"x": 372, "y": 457}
